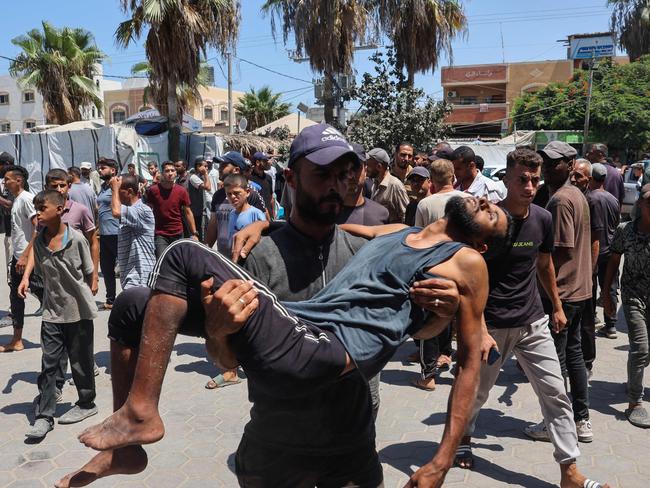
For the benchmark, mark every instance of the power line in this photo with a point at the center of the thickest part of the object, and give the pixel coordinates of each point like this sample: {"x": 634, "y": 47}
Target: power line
{"x": 273, "y": 71}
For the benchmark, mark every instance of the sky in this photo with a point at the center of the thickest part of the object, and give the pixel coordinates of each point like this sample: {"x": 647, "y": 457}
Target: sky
{"x": 510, "y": 30}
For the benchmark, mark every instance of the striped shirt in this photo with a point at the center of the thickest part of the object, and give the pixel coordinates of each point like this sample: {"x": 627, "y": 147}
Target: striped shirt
{"x": 135, "y": 245}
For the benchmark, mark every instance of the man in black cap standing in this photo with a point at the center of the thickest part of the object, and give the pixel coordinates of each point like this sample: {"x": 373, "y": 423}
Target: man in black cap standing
{"x": 572, "y": 259}
{"x": 419, "y": 180}
{"x": 199, "y": 182}
{"x": 606, "y": 219}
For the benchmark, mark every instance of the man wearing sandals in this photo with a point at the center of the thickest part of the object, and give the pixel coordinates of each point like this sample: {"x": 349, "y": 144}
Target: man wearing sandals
{"x": 516, "y": 322}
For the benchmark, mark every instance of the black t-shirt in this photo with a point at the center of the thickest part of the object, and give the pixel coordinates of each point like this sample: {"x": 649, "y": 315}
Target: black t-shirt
{"x": 605, "y": 216}
{"x": 514, "y": 299}
{"x": 266, "y": 182}
{"x": 368, "y": 213}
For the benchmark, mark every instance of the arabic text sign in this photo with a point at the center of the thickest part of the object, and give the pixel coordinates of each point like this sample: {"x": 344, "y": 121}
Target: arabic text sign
{"x": 592, "y": 47}
{"x": 472, "y": 74}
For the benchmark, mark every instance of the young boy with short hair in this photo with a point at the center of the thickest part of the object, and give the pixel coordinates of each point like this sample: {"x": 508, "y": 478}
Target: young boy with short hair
{"x": 237, "y": 192}
{"x": 62, "y": 257}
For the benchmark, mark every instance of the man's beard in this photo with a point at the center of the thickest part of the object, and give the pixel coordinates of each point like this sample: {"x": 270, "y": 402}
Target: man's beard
{"x": 309, "y": 207}
{"x": 461, "y": 218}
{"x": 106, "y": 177}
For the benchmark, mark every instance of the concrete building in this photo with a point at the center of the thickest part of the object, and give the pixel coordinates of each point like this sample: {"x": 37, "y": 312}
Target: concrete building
{"x": 482, "y": 95}
{"x": 20, "y": 109}
{"x": 121, "y": 104}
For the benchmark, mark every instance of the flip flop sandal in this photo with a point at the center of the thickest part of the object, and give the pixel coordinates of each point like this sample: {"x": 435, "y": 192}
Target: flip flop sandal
{"x": 464, "y": 454}
{"x": 591, "y": 484}
{"x": 419, "y": 383}
{"x": 443, "y": 365}
{"x": 220, "y": 382}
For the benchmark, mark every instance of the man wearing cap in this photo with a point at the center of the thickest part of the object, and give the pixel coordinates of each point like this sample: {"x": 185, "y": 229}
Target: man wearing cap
{"x": 469, "y": 179}
{"x": 91, "y": 177}
{"x": 357, "y": 209}
{"x": 198, "y": 183}
{"x": 170, "y": 202}
{"x": 109, "y": 228}
{"x": 632, "y": 240}
{"x": 606, "y": 218}
{"x": 420, "y": 182}
{"x": 614, "y": 181}
{"x": 231, "y": 162}
{"x": 387, "y": 190}
{"x": 572, "y": 260}
{"x": 260, "y": 163}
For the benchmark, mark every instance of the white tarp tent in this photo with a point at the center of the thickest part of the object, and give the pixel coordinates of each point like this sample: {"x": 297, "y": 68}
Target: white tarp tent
{"x": 493, "y": 154}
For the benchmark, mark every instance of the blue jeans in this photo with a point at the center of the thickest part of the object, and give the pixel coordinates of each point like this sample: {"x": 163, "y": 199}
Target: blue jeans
{"x": 568, "y": 345}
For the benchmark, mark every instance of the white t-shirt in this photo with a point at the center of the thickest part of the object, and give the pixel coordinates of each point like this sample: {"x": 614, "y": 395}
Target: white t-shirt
{"x": 22, "y": 229}
{"x": 432, "y": 207}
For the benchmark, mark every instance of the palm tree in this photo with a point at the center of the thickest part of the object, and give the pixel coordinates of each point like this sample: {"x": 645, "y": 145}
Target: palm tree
{"x": 631, "y": 21}
{"x": 420, "y": 30}
{"x": 179, "y": 32}
{"x": 261, "y": 107}
{"x": 60, "y": 64}
{"x": 326, "y": 31}
{"x": 156, "y": 93}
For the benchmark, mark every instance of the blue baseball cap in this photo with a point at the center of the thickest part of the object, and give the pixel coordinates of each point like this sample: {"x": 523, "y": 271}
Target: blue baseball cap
{"x": 260, "y": 156}
{"x": 321, "y": 144}
{"x": 420, "y": 171}
{"x": 235, "y": 158}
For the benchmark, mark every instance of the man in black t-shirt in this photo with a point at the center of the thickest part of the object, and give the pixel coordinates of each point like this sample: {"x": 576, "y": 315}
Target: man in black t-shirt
{"x": 260, "y": 162}
{"x": 605, "y": 210}
{"x": 516, "y": 322}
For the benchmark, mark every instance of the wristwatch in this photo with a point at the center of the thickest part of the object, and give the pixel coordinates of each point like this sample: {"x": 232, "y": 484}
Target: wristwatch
{"x": 195, "y": 234}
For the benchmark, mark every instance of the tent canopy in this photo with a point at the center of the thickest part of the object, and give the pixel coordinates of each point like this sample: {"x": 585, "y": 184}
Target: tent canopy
{"x": 290, "y": 121}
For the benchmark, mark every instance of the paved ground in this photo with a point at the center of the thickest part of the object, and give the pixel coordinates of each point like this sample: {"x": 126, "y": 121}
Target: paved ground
{"x": 204, "y": 427}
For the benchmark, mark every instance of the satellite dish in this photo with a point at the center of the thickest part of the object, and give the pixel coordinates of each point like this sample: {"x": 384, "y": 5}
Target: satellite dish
{"x": 243, "y": 123}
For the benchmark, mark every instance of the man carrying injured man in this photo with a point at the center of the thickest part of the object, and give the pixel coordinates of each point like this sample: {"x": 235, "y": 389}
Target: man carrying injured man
{"x": 357, "y": 321}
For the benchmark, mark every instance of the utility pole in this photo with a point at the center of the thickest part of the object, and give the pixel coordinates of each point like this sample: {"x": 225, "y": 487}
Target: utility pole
{"x": 231, "y": 128}
{"x": 585, "y": 132}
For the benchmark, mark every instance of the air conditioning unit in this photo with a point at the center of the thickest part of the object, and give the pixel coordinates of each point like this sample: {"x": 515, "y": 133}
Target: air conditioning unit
{"x": 452, "y": 94}
{"x": 483, "y": 107}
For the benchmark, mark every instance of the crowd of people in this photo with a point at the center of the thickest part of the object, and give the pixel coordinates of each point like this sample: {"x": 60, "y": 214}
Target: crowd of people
{"x": 310, "y": 276}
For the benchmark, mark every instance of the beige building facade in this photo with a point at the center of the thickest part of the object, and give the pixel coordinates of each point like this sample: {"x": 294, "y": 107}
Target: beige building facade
{"x": 121, "y": 104}
{"x": 482, "y": 95}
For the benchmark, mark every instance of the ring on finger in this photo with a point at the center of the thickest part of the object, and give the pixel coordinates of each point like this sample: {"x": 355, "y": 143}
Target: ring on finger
{"x": 242, "y": 301}
{"x": 436, "y": 302}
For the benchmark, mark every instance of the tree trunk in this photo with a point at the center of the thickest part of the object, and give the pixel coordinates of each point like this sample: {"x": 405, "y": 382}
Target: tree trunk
{"x": 410, "y": 81}
{"x": 174, "y": 135}
{"x": 328, "y": 99}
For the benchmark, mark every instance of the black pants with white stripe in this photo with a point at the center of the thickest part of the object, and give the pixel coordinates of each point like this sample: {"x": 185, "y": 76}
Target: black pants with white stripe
{"x": 283, "y": 355}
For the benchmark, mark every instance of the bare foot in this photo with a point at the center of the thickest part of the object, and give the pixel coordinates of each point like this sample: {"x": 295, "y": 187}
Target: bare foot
{"x": 127, "y": 460}
{"x": 12, "y": 346}
{"x": 123, "y": 428}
